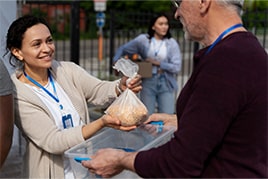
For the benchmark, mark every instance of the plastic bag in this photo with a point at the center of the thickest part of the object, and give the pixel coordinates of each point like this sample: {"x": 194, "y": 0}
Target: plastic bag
{"x": 127, "y": 107}
{"x": 127, "y": 67}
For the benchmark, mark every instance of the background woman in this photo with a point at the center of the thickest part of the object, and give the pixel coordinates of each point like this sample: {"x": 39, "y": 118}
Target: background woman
{"x": 162, "y": 51}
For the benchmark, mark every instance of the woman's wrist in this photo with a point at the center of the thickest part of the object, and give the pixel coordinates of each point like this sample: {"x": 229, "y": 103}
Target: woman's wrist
{"x": 90, "y": 129}
{"x": 102, "y": 121}
{"x": 118, "y": 88}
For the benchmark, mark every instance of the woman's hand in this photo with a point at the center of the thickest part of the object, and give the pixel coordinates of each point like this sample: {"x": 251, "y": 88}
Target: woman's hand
{"x": 153, "y": 62}
{"x": 113, "y": 122}
{"x": 134, "y": 84}
{"x": 106, "y": 120}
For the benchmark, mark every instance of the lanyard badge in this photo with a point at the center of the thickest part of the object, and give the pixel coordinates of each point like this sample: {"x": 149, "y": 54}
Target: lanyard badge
{"x": 67, "y": 121}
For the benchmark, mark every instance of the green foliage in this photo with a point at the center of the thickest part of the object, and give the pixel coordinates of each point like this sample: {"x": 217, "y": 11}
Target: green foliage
{"x": 256, "y": 4}
{"x": 131, "y": 5}
{"x": 38, "y": 13}
{"x": 134, "y": 14}
{"x": 255, "y": 13}
{"x": 145, "y": 5}
{"x": 54, "y": 23}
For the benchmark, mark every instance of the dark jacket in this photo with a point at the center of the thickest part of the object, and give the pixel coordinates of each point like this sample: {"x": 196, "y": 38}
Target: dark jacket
{"x": 222, "y": 112}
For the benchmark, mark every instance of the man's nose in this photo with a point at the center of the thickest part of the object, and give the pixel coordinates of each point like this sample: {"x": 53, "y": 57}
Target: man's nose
{"x": 176, "y": 14}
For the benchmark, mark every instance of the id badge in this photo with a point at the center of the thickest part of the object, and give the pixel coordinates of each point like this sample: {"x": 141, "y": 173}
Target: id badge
{"x": 67, "y": 121}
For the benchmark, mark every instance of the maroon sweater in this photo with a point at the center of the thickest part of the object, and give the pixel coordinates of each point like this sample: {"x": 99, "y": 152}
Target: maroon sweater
{"x": 222, "y": 114}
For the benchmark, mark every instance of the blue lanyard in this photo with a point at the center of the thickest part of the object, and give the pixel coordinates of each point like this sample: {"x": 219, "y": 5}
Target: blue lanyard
{"x": 157, "y": 50}
{"x": 40, "y": 86}
{"x": 223, "y": 34}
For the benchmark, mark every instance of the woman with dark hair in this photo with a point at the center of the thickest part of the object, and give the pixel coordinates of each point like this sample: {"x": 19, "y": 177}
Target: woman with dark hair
{"x": 163, "y": 52}
{"x": 51, "y": 99}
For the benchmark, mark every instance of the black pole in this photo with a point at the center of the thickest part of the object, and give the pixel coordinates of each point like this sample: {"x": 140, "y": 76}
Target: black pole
{"x": 111, "y": 41}
{"x": 196, "y": 47}
{"x": 75, "y": 29}
{"x": 265, "y": 26}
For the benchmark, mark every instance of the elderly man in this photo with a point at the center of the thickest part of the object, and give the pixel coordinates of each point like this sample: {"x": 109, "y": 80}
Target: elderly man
{"x": 221, "y": 111}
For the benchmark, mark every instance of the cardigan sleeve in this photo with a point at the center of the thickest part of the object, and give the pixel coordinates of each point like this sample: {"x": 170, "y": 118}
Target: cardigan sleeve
{"x": 174, "y": 60}
{"x": 35, "y": 119}
{"x": 4, "y": 79}
{"x": 95, "y": 91}
{"x": 36, "y": 122}
{"x": 135, "y": 46}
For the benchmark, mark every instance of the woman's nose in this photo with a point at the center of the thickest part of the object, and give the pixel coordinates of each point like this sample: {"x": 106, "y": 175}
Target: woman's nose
{"x": 46, "y": 47}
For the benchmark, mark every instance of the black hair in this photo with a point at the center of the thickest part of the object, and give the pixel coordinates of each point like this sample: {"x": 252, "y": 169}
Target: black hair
{"x": 152, "y": 22}
{"x": 18, "y": 28}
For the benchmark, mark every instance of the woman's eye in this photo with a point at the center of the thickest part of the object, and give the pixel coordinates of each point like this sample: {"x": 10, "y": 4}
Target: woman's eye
{"x": 50, "y": 40}
{"x": 36, "y": 44}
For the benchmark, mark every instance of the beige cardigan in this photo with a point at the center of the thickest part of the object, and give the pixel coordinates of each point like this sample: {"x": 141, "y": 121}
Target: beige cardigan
{"x": 46, "y": 144}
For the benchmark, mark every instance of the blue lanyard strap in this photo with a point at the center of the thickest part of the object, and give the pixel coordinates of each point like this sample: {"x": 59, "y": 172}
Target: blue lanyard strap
{"x": 222, "y": 35}
{"x": 157, "y": 50}
{"x": 40, "y": 86}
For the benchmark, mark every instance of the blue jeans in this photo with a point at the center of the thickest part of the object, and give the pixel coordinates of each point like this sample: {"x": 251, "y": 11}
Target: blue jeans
{"x": 156, "y": 95}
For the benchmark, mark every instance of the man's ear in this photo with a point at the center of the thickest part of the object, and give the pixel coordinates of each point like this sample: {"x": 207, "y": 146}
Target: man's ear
{"x": 17, "y": 53}
{"x": 204, "y": 6}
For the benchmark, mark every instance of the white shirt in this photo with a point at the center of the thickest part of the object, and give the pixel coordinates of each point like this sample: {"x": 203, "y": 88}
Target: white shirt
{"x": 54, "y": 108}
{"x": 157, "y": 51}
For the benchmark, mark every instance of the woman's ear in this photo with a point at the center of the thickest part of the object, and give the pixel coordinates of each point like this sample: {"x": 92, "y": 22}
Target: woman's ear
{"x": 17, "y": 53}
{"x": 204, "y": 6}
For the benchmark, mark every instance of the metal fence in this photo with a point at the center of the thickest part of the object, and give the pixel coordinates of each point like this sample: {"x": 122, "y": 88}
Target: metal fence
{"x": 76, "y": 34}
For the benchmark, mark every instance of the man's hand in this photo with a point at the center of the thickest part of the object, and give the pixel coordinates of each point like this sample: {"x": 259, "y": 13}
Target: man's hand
{"x": 168, "y": 119}
{"x": 109, "y": 162}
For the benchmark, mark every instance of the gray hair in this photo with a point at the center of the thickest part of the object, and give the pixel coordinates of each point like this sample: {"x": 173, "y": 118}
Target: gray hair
{"x": 237, "y": 4}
